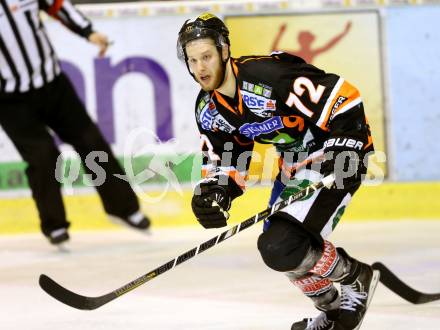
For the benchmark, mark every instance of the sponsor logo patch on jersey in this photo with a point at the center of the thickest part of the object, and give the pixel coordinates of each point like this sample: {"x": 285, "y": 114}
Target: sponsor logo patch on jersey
{"x": 206, "y": 118}
{"x": 201, "y": 105}
{"x": 251, "y": 130}
{"x": 212, "y": 107}
{"x": 267, "y": 92}
{"x": 222, "y": 124}
{"x": 259, "y": 105}
{"x": 211, "y": 120}
{"x": 259, "y": 89}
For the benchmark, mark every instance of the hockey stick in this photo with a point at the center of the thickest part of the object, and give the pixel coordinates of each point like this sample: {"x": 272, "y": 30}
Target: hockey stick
{"x": 392, "y": 282}
{"x": 88, "y": 303}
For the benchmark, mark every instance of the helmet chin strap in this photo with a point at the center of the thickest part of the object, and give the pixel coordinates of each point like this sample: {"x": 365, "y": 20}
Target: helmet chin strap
{"x": 189, "y": 70}
{"x": 224, "y": 64}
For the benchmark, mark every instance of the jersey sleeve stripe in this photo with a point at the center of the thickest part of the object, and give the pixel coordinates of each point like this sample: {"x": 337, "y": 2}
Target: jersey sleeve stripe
{"x": 351, "y": 97}
{"x": 330, "y": 99}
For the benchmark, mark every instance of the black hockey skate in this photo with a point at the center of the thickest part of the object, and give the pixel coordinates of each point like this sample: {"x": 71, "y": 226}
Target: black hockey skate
{"x": 323, "y": 321}
{"x": 58, "y": 236}
{"x": 356, "y": 293}
{"x": 137, "y": 221}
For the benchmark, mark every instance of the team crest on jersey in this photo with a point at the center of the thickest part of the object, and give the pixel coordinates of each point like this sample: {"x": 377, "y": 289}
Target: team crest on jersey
{"x": 259, "y": 105}
{"x": 251, "y": 130}
{"x": 210, "y": 119}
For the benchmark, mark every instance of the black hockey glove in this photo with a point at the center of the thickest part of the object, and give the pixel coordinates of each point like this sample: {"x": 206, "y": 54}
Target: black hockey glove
{"x": 344, "y": 157}
{"x": 211, "y": 201}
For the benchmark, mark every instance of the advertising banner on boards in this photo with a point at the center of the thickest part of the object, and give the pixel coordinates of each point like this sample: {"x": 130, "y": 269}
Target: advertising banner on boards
{"x": 143, "y": 98}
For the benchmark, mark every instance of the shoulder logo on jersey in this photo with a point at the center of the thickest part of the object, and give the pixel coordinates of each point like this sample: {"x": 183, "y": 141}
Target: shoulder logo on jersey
{"x": 210, "y": 119}
{"x": 339, "y": 101}
{"x": 251, "y": 130}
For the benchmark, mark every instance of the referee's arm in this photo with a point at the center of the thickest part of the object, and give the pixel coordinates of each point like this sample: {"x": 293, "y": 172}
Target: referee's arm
{"x": 75, "y": 21}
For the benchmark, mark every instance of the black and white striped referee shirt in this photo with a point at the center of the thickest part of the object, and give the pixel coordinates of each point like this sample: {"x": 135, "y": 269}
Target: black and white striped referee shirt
{"x": 27, "y": 58}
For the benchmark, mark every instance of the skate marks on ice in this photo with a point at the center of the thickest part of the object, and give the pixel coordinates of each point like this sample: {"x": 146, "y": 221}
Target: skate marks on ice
{"x": 227, "y": 287}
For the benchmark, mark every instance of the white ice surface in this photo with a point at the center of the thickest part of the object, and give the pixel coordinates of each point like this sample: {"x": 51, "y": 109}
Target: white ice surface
{"x": 226, "y": 287}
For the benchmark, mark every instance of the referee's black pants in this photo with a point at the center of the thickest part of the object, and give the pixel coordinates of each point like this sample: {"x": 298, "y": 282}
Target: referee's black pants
{"x": 26, "y": 118}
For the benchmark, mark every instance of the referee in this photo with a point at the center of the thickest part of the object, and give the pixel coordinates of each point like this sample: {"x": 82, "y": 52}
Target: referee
{"x": 36, "y": 96}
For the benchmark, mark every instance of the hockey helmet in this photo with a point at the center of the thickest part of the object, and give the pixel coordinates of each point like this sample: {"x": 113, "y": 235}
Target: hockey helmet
{"x": 206, "y": 25}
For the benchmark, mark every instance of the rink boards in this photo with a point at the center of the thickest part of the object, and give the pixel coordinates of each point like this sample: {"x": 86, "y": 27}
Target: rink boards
{"x": 387, "y": 201}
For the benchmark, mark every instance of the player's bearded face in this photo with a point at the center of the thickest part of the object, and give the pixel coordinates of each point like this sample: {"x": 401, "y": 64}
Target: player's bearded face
{"x": 205, "y": 63}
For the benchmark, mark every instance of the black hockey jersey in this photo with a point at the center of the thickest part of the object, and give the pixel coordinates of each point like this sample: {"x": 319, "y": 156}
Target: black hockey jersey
{"x": 279, "y": 100}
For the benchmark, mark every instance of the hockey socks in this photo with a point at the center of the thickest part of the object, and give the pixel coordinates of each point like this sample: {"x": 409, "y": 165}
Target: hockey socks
{"x": 358, "y": 282}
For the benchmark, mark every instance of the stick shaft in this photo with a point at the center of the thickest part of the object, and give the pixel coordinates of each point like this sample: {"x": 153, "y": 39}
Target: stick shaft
{"x": 87, "y": 303}
{"x": 219, "y": 238}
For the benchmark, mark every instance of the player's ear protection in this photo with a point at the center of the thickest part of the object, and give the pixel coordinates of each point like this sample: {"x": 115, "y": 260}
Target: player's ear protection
{"x": 225, "y": 53}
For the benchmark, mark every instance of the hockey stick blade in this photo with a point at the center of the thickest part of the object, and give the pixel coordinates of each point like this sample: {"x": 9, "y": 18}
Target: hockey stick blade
{"x": 392, "y": 282}
{"x": 89, "y": 303}
{"x": 71, "y": 298}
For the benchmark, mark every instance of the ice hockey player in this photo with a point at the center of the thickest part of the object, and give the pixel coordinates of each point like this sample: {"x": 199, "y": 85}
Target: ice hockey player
{"x": 306, "y": 114}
